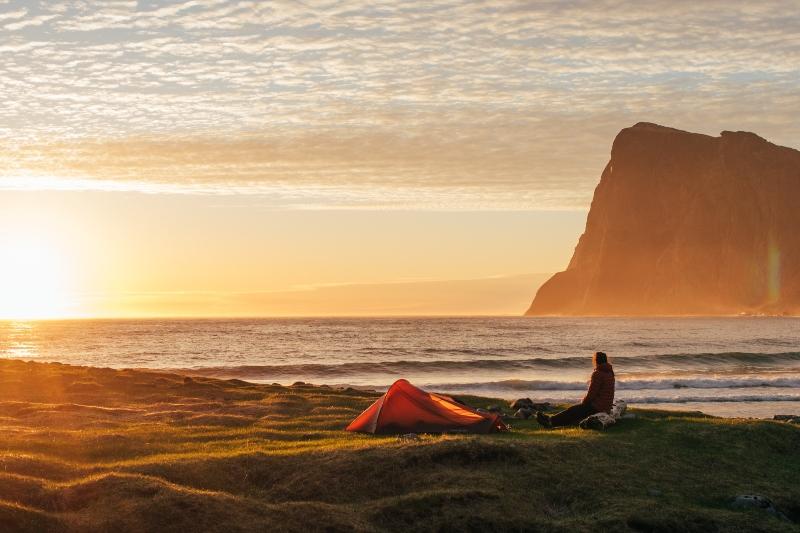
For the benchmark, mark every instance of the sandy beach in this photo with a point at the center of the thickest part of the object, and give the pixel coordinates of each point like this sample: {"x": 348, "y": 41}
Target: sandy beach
{"x": 123, "y": 450}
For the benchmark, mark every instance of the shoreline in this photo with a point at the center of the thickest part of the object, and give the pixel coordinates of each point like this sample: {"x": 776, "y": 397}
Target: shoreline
{"x": 721, "y": 408}
{"x": 755, "y": 408}
{"x": 705, "y": 362}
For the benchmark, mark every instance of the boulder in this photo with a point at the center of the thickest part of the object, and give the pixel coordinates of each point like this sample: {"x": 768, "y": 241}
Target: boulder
{"x": 754, "y": 501}
{"x": 618, "y": 409}
{"x": 496, "y": 409}
{"x": 523, "y": 413}
{"x": 597, "y": 421}
{"x": 602, "y": 421}
{"x": 521, "y": 403}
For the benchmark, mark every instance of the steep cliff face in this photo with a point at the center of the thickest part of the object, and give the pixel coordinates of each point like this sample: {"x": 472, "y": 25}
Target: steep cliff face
{"x": 683, "y": 223}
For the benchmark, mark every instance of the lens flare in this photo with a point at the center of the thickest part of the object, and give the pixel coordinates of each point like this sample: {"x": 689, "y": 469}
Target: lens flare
{"x": 773, "y": 273}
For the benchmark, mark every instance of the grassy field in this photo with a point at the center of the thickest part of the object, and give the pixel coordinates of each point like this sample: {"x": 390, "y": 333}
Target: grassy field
{"x": 86, "y": 449}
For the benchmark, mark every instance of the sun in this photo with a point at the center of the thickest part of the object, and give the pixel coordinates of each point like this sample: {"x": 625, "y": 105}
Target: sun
{"x": 32, "y": 279}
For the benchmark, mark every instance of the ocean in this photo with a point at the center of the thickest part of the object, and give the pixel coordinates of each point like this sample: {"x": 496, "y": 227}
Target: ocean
{"x": 747, "y": 366}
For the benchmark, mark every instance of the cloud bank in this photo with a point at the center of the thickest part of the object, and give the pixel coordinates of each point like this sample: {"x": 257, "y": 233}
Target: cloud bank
{"x": 377, "y": 104}
{"x": 500, "y": 295}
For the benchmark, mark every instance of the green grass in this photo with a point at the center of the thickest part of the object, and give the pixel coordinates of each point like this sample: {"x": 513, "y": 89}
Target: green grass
{"x": 85, "y": 449}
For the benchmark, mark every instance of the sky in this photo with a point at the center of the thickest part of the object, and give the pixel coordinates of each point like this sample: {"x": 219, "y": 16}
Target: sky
{"x": 224, "y": 158}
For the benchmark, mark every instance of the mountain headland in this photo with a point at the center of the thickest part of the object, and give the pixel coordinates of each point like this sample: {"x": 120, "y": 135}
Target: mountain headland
{"x": 686, "y": 224}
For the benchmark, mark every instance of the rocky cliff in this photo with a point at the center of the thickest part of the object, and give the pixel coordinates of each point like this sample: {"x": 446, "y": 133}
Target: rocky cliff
{"x": 683, "y": 223}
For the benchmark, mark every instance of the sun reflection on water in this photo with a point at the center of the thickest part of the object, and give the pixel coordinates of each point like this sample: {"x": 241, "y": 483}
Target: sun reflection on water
{"x": 17, "y": 340}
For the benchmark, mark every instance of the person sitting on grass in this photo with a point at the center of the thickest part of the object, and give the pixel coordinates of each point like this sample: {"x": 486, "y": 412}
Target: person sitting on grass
{"x": 598, "y": 398}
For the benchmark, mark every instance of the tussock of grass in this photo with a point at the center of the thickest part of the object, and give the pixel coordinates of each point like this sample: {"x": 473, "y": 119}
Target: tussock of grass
{"x": 87, "y": 449}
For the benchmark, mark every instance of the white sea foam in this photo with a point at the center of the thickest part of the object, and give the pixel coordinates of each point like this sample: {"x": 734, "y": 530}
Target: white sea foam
{"x": 627, "y": 385}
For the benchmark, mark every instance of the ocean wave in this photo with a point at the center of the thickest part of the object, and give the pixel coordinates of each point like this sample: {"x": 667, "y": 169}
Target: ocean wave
{"x": 712, "y": 399}
{"x": 683, "y": 361}
{"x": 653, "y": 400}
{"x": 625, "y": 385}
{"x": 675, "y": 360}
{"x": 384, "y": 367}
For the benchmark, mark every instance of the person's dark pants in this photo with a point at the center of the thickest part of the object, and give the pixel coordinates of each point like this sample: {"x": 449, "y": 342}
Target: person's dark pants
{"x": 572, "y": 415}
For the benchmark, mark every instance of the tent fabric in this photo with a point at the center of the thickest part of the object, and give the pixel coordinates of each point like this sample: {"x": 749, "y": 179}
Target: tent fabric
{"x": 406, "y": 409}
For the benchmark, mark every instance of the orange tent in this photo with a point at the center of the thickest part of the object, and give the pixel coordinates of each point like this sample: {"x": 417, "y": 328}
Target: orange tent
{"x": 406, "y": 409}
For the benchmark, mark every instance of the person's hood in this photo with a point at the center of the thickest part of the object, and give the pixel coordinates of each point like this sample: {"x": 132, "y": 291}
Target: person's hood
{"x": 605, "y": 367}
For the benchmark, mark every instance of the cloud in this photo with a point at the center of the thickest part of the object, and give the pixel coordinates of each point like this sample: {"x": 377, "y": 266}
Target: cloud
{"x": 503, "y": 295}
{"x": 503, "y": 104}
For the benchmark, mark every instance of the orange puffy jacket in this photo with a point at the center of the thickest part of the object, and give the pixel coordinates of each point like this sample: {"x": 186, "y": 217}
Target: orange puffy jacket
{"x": 601, "y": 389}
